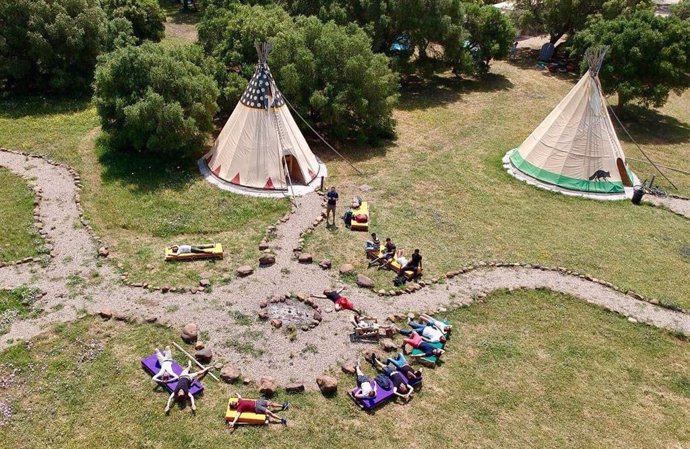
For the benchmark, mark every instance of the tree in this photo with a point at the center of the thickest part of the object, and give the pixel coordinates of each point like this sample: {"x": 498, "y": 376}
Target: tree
{"x": 168, "y": 107}
{"x": 331, "y": 76}
{"x": 681, "y": 10}
{"x": 490, "y": 36}
{"x": 120, "y": 34}
{"x": 561, "y": 17}
{"x": 49, "y": 45}
{"x": 146, "y": 16}
{"x": 649, "y": 55}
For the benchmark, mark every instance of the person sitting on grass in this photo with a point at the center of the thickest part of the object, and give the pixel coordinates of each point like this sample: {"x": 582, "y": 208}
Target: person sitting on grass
{"x": 340, "y": 302}
{"x": 401, "y": 387}
{"x": 366, "y": 386}
{"x": 374, "y": 244}
{"x": 188, "y": 249}
{"x": 415, "y": 263}
{"x": 438, "y": 324}
{"x": 184, "y": 381}
{"x": 429, "y": 333}
{"x": 165, "y": 361}
{"x": 260, "y": 406}
{"x": 415, "y": 340}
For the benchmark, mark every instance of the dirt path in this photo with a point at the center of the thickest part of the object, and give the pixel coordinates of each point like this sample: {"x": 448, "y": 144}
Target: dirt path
{"x": 677, "y": 205}
{"x": 227, "y": 314}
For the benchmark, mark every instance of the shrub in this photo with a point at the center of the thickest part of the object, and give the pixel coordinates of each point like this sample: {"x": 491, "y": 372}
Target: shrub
{"x": 146, "y": 17}
{"x": 49, "y": 45}
{"x": 168, "y": 107}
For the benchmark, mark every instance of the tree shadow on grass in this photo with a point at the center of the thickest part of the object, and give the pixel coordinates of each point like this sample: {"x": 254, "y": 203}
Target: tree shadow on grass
{"x": 649, "y": 126}
{"x": 16, "y": 107}
{"x": 145, "y": 172}
{"x": 436, "y": 90}
{"x": 176, "y": 14}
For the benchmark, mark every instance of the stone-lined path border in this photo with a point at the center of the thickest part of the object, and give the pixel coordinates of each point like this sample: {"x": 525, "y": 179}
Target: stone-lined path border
{"x": 221, "y": 312}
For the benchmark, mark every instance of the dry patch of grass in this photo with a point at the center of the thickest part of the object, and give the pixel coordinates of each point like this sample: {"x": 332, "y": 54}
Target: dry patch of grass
{"x": 524, "y": 369}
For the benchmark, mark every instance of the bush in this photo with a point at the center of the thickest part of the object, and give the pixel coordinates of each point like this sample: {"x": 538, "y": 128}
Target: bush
{"x": 49, "y": 45}
{"x": 490, "y": 36}
{"x": 146, "y": 17}
{"x": 167, "y": 108}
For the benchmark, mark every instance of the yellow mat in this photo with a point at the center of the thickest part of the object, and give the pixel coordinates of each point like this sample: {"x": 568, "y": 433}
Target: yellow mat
{"x": 245, "y": 418}
{"x": 363, "y": 209}
{"x": 213, "y": 252}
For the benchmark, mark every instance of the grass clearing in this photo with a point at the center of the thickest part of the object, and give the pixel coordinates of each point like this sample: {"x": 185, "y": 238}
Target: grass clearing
{"x": 16, "y": 304}
{"x": 441, "y": 187}
{"x": 524, "y": 369}
{"x": 19, "y": 238}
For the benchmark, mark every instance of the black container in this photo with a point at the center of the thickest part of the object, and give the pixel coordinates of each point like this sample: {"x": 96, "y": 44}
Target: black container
{"x": 637, "y": 196}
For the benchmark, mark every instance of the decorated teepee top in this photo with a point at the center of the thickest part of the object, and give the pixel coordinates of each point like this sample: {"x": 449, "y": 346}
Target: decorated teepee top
{"x": 576, "y": 147}
{"x": 261, "y": 92}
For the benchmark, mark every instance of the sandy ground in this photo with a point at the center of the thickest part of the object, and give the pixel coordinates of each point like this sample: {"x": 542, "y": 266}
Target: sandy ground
{"x": 677, "y": 205}
{"x": 256, "y": 348}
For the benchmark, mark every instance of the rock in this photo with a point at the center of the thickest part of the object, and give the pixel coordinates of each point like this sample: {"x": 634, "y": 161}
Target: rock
{"x": 246, "y": 381}
{"x": 103, "y": 251}
{"x": 204, "y": 283}
{"x": 118, "y": 316}
{"x": 190, "y": 332}
{"x": 325, "y": 264}
{"x": 151, "y": 319}
{"x": 204, "y": 355}
{"x": 276, "y": 323}
{"x": 348, "y": 368}
{"x": 635, "y": 295}
{"x": 230, "y": 374}
{"x": 267, "y": 259}
{"x": 392, "y": 292}
{"x": 317, "y": 316}
{"x": 263, "y": 315}
{"x": 165, "y": 289}
{"x": 347, "y": 269}
{"x": 263, "y": 304}
{"x": 199, "y": 345}
{"x": 106, "y": 313}
{"x": 632, "y": 320}
{"x": 327, "y": 384}
{"x": 364, "y": 281}
{"x": 410, "y": 315}
{"x": 267, "y": 386}
{"x": 388, "y": 344}
{"x": 295, "y": 387}
{"x": 301, "y": 296}
{"x": 305, "y": 258}
{"x": 244, "y": 270}
{"x": 263, "y": 246}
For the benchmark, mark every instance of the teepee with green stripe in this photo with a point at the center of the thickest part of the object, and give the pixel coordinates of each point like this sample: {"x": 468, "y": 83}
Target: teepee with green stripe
{"x": 576, "y": 148}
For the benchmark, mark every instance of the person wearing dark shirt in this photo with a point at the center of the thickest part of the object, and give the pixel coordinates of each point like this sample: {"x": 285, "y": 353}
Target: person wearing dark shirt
{"x": 260, "y": 406}
{"x": 389, "y": 249}
{"x": 332, "y": 196}
{"x": 415, "y": 263}
{"x": 184, "y": 382}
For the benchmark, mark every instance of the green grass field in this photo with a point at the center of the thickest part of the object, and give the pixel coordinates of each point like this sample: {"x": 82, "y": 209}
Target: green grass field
{"x": 19, "y": 238}
{"x": 441, "y": 187}
{"x": 524, "y": 369}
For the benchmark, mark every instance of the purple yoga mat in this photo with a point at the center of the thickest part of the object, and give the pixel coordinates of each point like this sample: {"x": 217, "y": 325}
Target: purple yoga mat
{"x": 151, "y": 366}
{"x": 381, "y": 397}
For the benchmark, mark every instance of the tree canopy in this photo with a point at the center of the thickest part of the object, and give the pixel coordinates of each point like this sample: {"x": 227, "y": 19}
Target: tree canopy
{"x": 649, "y": 55}
{"x": 168, "y": 107}
{"x": 49, "y": 45}
{"x": 146, "y": 17}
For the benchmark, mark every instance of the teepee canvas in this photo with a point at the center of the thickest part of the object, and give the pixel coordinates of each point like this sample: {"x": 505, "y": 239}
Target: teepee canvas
{"x": 261, "y": 148}
{"x": 575, "y": 149}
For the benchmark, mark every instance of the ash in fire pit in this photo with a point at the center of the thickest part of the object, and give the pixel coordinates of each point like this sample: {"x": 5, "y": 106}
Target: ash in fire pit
{"x": 293, "y": 313}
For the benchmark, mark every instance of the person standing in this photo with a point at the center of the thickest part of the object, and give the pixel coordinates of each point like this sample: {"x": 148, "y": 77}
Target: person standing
{"x": 330, "y": 207}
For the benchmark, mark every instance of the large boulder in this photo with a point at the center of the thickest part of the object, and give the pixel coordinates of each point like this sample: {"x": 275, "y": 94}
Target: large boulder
{"x": 387, "y": 344}
{"x": 347, "y": 268}
{"x": 204, "y": 355}
{"x": 327, "y": 384}
{"x": 190, "y": 332}
{"x": 267, "y": 386}
{"x": 230, "y": 374}
{"x": 325, "y": 264}
{"x": 295, "y": 387}
{"x": 364, "y": 281}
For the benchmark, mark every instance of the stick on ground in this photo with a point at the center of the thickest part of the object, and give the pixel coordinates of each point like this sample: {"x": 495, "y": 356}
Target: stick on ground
{"x": 195, "y": 361}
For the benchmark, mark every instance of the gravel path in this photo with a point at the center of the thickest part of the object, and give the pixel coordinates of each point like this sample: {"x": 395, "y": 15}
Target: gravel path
{"x": 677, "y": 205}
{"x": 227, "y": 314}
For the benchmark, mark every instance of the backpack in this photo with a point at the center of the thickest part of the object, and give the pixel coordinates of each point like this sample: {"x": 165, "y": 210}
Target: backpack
{"x": 399, "y": 280}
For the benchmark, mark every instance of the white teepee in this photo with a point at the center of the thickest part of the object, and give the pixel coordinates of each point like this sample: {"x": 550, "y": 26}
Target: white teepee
{"x": 260, "y": 150}
{"x": 575, "y": 150}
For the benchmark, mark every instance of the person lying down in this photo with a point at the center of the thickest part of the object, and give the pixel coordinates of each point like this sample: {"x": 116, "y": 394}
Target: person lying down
{"x": 415, "y": 340}
{"x": 340, "y": 302}
{"x": 399, "y": 376}
{"x": 189, "y": 249}
{"x": 366, "y": 386}
{"x": 259, "y": 406}
{"x": 165, "y": 361}
{"x": 184, "y": 382}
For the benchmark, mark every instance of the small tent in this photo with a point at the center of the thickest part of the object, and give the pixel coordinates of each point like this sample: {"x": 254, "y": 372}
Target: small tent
{"x": 261, "y": 151}
{"x": 575, "y": 150}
